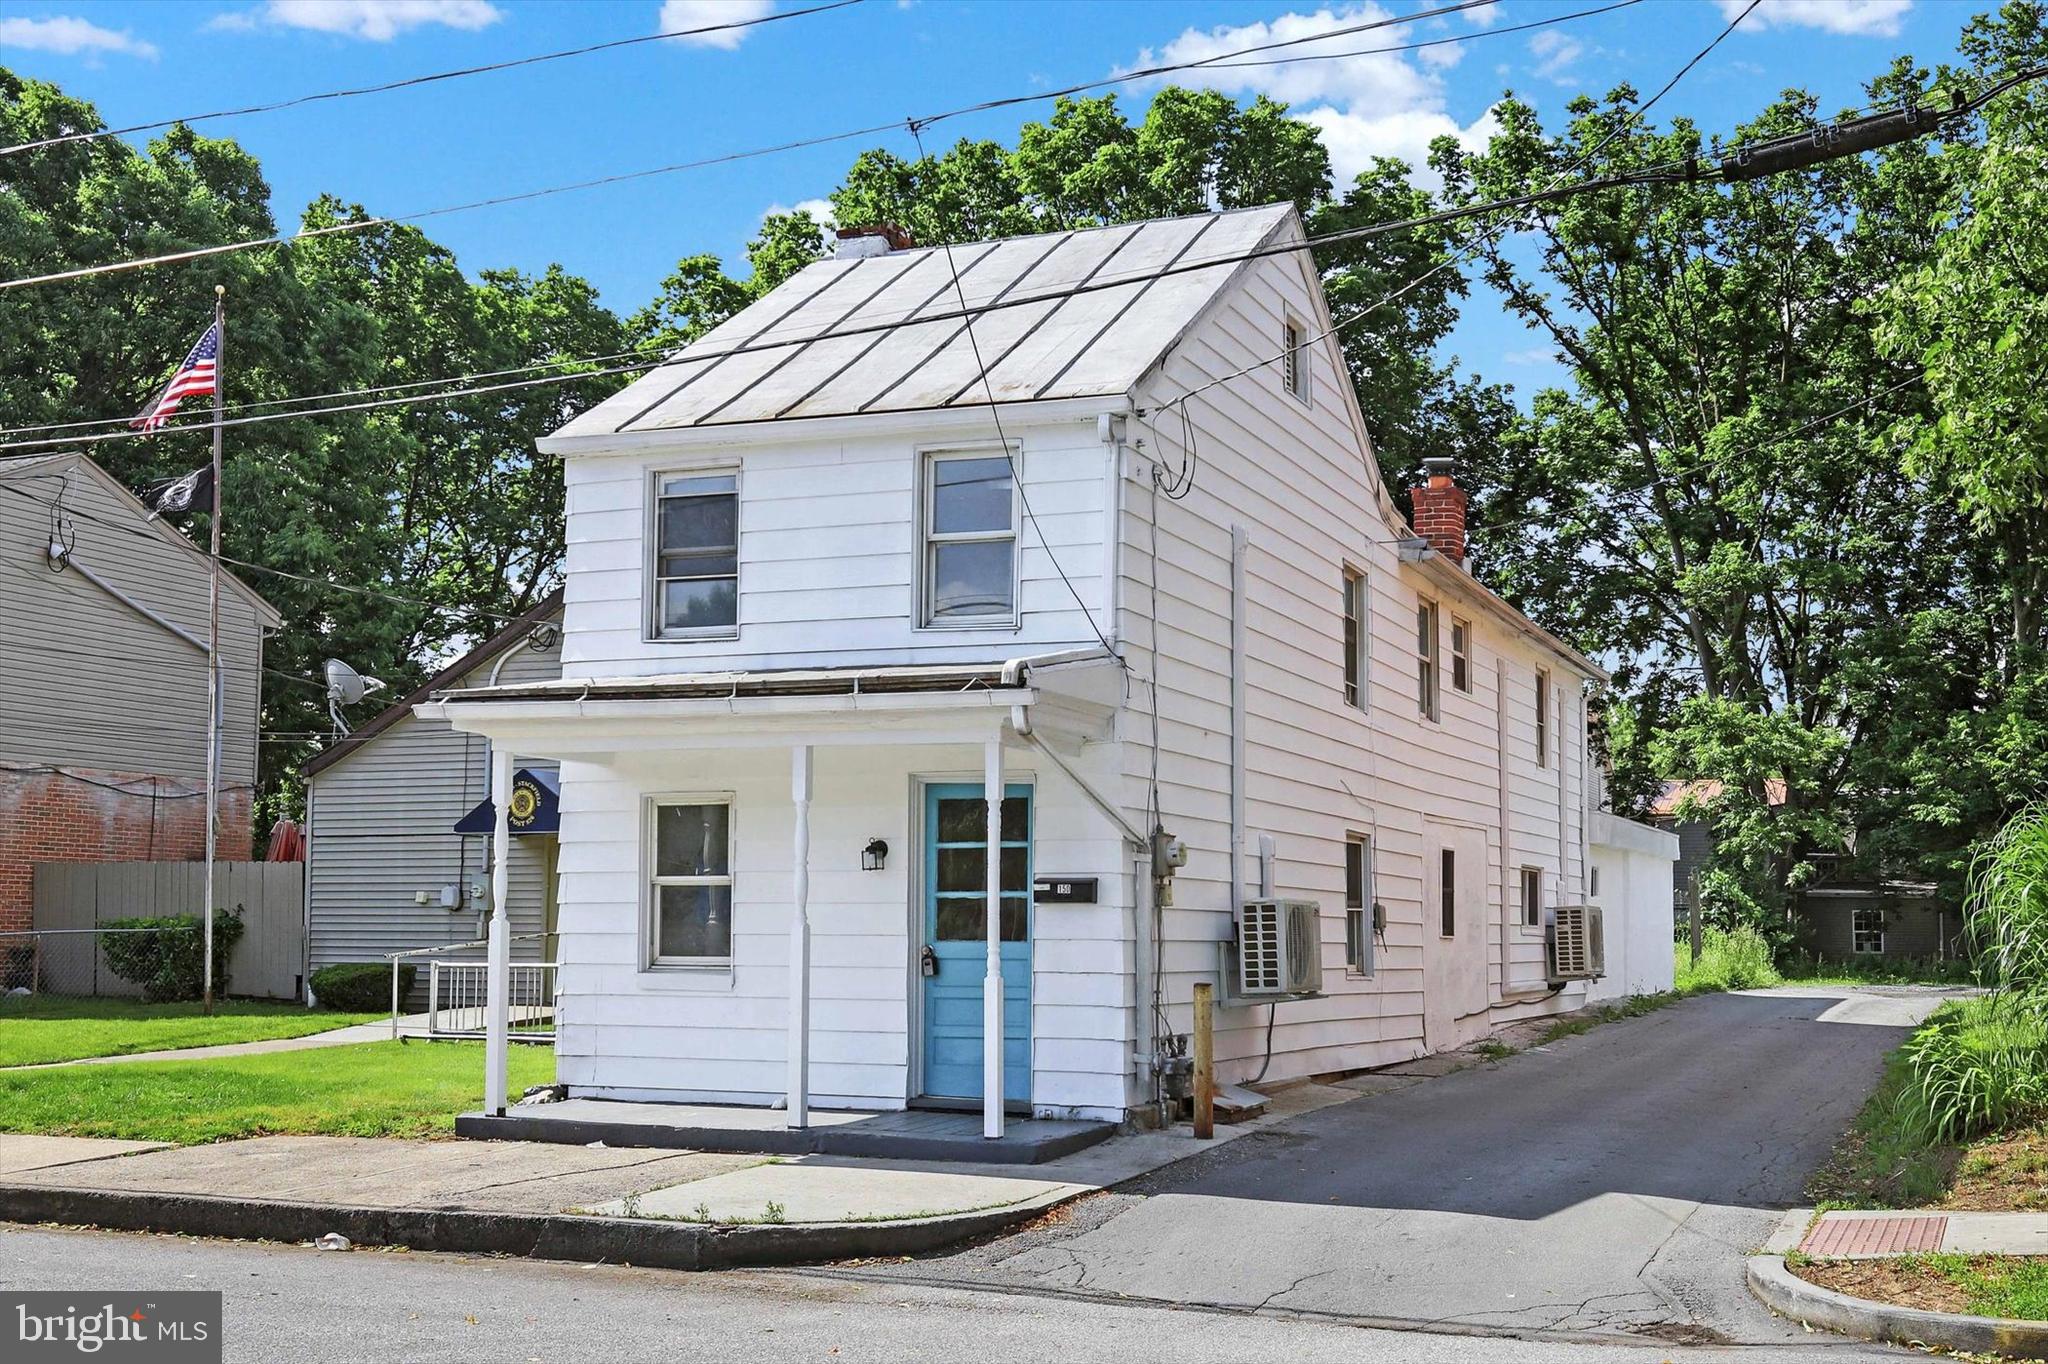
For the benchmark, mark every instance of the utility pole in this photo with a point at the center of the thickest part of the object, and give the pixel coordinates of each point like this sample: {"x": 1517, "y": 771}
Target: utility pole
{"x": 213, "y": 687}
{"x": 1205, "y": 1061}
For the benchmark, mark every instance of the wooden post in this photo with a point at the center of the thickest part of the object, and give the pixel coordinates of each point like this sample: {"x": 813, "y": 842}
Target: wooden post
{"x": 1692, "y": 904}
{"x": 1205, "y": 1061}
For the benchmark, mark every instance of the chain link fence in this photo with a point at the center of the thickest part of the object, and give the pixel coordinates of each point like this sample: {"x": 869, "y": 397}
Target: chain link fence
{"x": 105, "y": 963}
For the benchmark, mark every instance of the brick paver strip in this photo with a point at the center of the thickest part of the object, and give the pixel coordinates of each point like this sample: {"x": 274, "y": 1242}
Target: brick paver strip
{"x": 1844, "y": 1237}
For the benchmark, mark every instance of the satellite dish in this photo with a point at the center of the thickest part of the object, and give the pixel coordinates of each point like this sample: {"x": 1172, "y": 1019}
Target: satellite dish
{"x": 345, "y": 687}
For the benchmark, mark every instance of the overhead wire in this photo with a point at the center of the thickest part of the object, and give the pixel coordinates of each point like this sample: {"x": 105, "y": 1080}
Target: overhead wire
{"x": 926, "y": 121}
{"x": 409, "y": 82}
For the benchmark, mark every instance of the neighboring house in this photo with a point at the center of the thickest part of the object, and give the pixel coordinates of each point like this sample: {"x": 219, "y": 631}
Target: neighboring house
{"x": 386, "y": 869}
{"x": 103, "y": 682}
{"x": 1847, "y": 919}
{"x": 816, "y": 605}
{"x": 1695, "y": 833}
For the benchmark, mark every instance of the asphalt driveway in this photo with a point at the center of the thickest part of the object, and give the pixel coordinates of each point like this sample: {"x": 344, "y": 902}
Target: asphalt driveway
{"x": 1610, "y": 1182}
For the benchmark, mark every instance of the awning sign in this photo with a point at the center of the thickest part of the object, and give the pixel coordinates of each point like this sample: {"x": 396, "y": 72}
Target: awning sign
{"x": 536, "y": 808}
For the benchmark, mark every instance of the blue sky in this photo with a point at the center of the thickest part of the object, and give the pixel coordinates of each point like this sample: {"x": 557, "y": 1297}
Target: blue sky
{"x": 873, "y": 63}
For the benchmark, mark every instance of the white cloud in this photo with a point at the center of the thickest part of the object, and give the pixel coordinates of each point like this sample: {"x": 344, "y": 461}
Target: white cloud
{"x": 1534, "y": 355}
{"x": 1873, "y": 18}
{"x": 1555, "y": 52}
{"x": 68, "y": 37}
{"x": 819, "y": 209}
{"x": 679, "y": 16}
{"x": 378, "y": 21}
{"x": 1485, "y": 16}
{"x": 1366, "y": 105}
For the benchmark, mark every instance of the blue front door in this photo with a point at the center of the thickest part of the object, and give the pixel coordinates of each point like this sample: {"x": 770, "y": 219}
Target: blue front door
{"x": 956, "y": 931}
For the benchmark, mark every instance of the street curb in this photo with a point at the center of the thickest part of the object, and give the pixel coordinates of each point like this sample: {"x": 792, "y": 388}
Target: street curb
{"x": 1785, "y": 1293}
{"x": 541, "y": 1236}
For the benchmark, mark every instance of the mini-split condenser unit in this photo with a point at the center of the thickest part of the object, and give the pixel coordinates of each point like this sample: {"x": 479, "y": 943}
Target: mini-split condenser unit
{"x": 1278, "y": 952}
{"x": 1578, "y": 944}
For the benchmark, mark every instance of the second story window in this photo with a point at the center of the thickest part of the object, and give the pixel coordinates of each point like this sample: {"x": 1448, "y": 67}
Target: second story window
{"x": 1542, "y": 718}
{"x": 1426, "y": 680}
{"x": 696, "y": 554}
{"x": 970, "y": 540}
{"x": 1461, "y": 654}
{"x": 1357, "y": 622}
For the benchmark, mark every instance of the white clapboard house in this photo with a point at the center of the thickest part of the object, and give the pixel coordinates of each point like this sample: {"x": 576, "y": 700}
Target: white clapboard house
{"x": 924, "y": 526}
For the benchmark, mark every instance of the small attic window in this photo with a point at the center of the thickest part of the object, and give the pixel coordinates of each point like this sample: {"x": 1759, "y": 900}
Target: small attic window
{"x": 1294, "y": 359}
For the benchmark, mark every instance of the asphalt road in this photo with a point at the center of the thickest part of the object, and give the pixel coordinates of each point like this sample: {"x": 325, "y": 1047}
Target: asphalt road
{"x": 1609, "y": 1183}
{"x": 295, "y": 1305}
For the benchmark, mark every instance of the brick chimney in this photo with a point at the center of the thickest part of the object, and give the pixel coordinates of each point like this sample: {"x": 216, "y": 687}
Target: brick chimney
{"x": 1440, "y": 509}
{"x": 877, "y": 239}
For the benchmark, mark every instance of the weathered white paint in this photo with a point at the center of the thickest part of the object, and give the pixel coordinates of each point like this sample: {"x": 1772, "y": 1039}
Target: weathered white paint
{"x": 1636, "y": 896}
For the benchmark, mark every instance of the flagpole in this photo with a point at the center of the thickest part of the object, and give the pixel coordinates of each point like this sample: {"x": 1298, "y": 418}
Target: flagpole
{"x": 213, "y": 689}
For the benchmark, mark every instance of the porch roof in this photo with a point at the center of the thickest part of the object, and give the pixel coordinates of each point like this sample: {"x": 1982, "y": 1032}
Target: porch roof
{"x": 966, "y": 677}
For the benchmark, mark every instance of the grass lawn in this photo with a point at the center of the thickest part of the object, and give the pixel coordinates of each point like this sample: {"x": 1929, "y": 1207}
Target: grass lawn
{"x": 38, "y": 1028}
{"x": 1981, "y": 1285}
{"x": 378, "y": 1089}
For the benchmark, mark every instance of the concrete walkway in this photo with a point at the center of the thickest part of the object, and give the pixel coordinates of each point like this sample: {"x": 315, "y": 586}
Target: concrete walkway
{"x": 412, "y": 1025}
{"x": 1876, "y": 1235}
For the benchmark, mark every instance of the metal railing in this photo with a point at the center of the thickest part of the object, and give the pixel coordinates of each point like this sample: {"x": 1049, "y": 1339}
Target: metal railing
{"x": 458, "y": 992}
{"x": 458, "y": 999}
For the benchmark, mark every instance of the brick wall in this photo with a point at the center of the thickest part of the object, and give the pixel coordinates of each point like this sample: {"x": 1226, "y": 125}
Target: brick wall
{"x": 52, "y": 817}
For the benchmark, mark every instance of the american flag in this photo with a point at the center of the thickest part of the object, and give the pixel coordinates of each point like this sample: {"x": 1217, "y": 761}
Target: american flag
{"x": 194, "y": 376}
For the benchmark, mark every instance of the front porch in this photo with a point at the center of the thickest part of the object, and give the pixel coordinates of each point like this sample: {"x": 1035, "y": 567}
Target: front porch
{"x": 781, "y": 915}
{"x": 908, "y": 1134}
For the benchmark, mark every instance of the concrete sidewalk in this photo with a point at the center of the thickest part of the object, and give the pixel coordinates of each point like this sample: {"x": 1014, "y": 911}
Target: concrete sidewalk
{"x": 1876, "y": 1235}
{"x": 412, "y": 1025}
{"x": 664, "y": 1208}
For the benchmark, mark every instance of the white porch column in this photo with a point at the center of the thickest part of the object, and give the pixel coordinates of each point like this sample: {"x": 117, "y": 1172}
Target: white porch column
{"x": 992, "y": 983}
{"x": 799, "y": 1111}
{"x": 497, "y": 1022}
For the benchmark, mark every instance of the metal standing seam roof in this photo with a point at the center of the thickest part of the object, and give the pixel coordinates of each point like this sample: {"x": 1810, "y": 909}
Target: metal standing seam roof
{"x": 788, "y": 355}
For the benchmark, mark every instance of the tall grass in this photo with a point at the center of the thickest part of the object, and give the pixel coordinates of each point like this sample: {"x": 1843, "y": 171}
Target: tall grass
{"x": 1978, "y": 1065}
{"x": 2008, "y": 904}
{"x": 1730, "y": 959}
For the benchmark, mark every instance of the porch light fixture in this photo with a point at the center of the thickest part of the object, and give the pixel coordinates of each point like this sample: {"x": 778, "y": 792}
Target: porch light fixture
{"x": 874, "y": 854}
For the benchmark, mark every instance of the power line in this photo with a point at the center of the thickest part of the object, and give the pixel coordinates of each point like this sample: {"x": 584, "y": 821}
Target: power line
{"x": 429, "y": 79}
{"x": 365, "y": 224}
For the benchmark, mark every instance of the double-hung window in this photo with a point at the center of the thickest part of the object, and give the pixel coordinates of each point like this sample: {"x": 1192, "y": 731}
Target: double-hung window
{"x": 1866, "y": 932}
{"x": 1532, "y": 897}
{"x": 1358, "y": 904}
{"x": 1357, "y": 624}
{"x": 696, "y": 554}
{"x": 690, "y": 898}
{"x": 1427, "y": 683}
{"x": 1461, "y": 654}
{"x": 1542, "y": 717}
{"x": 970, "y": 539}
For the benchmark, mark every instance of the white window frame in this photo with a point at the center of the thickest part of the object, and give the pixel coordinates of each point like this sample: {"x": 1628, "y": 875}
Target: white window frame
{"x": 1358, "y": 935}
{"x": 1461, "y": 658}
{"x": 1294, "y": 363}
{"x": 650, "y": 882}
{"x": 927, "y": 539}
{"x": 1857, "y": 934}
{"x": 1358, "y": 656}
{"x": 1429, "y": 663}
{"x": 652, "y": 606}
{"x": 1531, "y": 911}
{"x": 1543, "y": 717}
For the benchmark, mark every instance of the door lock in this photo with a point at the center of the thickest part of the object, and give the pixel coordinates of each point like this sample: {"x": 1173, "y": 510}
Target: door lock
{"x": 927, "y": 961}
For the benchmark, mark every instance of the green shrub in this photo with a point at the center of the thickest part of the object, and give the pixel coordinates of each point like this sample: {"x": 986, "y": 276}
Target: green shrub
{"x": 166, "y": 955}
{"x": 1730, "y": 959}
{"x": 1977, "y": 1065}
{"x": 360, "y": 986}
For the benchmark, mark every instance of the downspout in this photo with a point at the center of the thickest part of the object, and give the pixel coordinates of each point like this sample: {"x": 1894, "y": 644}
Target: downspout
{"x": 1238, "y": 546}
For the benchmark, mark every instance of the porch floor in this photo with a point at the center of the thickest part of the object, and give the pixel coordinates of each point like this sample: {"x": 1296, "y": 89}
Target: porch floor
{"x": 914, "y": 1134}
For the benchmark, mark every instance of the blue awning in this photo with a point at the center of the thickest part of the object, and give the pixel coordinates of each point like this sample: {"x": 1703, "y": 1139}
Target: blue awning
{"x": 536, "y": 807}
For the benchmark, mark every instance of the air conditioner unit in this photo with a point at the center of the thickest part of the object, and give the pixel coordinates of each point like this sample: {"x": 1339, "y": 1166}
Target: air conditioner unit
{"x": 1279, "y": 949}
{"x": 1578, "y": 944}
